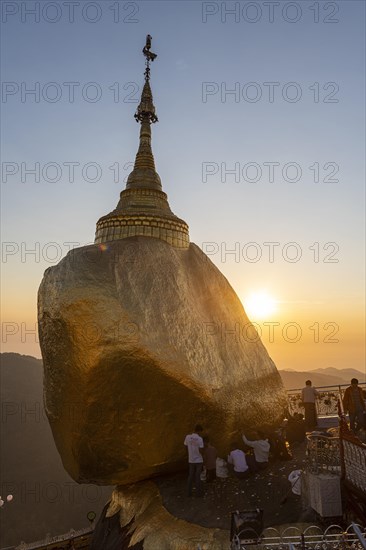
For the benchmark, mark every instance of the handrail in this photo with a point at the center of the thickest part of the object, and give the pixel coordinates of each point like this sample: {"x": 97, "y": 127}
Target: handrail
{"x": 358, "y": 533}
{"x": 71, "y": 535}
{"x": 329, "y": 386}
{"x": 328, "y": 404}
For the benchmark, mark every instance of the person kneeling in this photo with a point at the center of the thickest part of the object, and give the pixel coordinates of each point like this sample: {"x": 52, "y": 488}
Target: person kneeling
{"x": 261, "y": 449}
{"x": 237, "y": 459}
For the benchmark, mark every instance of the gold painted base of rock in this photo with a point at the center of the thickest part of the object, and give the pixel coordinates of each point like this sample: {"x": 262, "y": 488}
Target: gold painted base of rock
{"x": 142, "y": 505}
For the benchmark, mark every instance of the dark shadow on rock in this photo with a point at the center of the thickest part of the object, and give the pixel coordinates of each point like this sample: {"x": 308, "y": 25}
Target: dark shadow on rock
{"x": 109, "y": 535}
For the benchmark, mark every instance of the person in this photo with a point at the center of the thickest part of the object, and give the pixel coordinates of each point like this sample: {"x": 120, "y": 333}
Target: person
{"x": 354, "y": 404}
{"x": 238, "y": 460}
{"x": 194, "y": 443}
{"x": 261, "y": 449}
{"x": 279, "y": 447}
{"x": 308, "y": 396}
{"x": 209, "y": 459}
{"x": 295, "y": 429}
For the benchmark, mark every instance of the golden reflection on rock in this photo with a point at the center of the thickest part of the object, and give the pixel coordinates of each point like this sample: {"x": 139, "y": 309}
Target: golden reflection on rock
{"x": 142, "y": 337}
{"x": 140, "y": 341}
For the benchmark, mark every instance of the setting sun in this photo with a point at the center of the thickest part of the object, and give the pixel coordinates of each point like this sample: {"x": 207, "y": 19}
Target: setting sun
{"x": 260, "y": 305}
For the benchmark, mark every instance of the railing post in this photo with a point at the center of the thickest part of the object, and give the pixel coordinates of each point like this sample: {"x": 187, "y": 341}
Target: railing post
{"x": 340, "y": 402}
{"x": 359, "y": 535}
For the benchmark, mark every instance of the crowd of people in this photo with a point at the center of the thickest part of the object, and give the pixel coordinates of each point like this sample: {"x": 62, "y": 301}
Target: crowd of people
{"x": 244, "y": 458}
{"x": 250, "y": 456}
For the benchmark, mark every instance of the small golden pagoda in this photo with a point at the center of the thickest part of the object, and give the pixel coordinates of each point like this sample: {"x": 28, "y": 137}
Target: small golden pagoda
{"x": 143, "y": 208}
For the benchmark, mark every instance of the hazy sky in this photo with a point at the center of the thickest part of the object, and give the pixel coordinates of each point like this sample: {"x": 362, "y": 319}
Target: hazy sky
{"x": 260, "y": 148}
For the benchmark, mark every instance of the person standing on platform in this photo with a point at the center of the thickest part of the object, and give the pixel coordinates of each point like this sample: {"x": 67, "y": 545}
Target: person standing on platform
{"x": 308, "y": 396}
{"x": 209, "y": 460}
{"x": 194, "y": 444}
{"x": 354, "y": 404}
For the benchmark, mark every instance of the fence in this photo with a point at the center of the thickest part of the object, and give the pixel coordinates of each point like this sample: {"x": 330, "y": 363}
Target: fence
{"x": 327, "y": 402}
{"x": 323, "y": 454}
{"x": 344, "y": 456}
{"x": 313, "y": 537}
{"x": 353, "y": 462}
{"x": 72, "y": 540}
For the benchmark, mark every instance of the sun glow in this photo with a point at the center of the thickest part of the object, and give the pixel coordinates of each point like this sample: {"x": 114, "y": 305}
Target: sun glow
{"x": 260, "y": 305}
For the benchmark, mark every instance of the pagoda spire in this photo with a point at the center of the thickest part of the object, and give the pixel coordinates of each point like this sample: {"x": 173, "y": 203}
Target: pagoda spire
{"x": 143, "y": 208}
{"x": 146, "y": 111}
{"x": 144, "y": 173}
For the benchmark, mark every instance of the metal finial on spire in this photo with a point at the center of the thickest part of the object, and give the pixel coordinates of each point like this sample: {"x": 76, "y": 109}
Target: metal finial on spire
{"x": 146, "y": 111}
{"x": 146, "y": 50}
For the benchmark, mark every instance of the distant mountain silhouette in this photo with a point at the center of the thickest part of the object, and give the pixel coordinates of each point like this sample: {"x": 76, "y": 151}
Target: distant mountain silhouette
{"x": 293, "y": 379}
{"x": 347, "y": 374}
{"x": 46, "y": 499}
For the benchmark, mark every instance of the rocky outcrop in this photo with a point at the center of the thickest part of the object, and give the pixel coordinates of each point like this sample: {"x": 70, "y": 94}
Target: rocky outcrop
{"x": 140, "y": 341}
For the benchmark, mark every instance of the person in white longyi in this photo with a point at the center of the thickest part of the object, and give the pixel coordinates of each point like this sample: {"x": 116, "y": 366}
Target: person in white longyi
{"x": 194, "y": 444}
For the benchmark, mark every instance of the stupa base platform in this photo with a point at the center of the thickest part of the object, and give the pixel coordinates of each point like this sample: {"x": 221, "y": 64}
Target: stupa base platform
{"x": 158, "y": 514}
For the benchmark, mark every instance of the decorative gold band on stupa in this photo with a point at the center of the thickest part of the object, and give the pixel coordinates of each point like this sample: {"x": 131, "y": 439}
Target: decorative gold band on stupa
{"x": 143, "y": 208}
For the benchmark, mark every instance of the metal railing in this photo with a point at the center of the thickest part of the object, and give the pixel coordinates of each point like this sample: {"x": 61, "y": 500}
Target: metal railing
{"x": 60, "y": 540}
{"x": 326, "y": 403}
{"x": 323, "y": 454}
{"x": 313, "y": 537}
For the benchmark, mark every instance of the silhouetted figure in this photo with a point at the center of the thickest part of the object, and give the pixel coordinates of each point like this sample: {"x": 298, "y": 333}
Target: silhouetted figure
{"x": 209, "y": 460}
{"x": 295, "y": 429}
{"x": 354, "y": 404}
{"x": 308, "y": 396}
{"x": 279, "y": 446}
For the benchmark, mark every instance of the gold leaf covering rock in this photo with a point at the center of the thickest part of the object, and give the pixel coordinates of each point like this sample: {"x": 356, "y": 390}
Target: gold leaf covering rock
{"x": 140, "y": 340}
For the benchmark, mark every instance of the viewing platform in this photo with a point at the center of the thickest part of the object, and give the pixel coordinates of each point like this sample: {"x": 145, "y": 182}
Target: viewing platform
{"x": 328, "y": 462}
{"x": 326, "y": 404}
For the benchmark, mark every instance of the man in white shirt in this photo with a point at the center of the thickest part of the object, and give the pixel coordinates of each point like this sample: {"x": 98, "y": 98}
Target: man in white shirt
{"x": 194, "y": 443}
{"x": 237, "y": 459}
{"x": 308, "y": 396}
{"x": 261, "y": 449}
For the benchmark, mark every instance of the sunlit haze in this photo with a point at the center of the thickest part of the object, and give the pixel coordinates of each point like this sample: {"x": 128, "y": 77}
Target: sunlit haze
{"x": 260, "y": 305}
{"x": 259, "y": 145}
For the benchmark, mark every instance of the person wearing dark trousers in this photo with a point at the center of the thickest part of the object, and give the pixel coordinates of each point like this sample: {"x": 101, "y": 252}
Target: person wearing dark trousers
{"x": 238, "y": 461}
{"x": 209, "y": 460}
{"x": 194, "y": 444}
{"x": 354, "y": 404}
{"x": 308, "y": 396}
{"x": 261, "y": 449}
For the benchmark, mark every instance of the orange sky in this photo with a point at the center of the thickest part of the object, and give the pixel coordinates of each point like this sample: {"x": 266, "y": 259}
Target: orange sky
{"x": 299, "y": 334}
